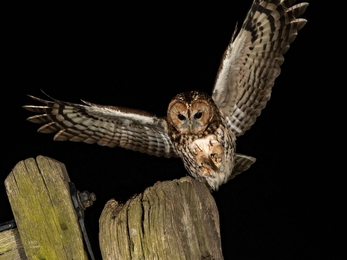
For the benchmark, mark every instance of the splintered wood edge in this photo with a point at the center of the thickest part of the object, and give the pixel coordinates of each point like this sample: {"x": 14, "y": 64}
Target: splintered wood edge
{"x": 170, "y": 220}
{"x": 46, "y": 219}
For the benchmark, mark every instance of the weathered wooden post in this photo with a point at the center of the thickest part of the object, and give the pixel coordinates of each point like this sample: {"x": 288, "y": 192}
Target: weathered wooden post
{"x": 171, "y": 220}
{"x": 39, "y": 195}
{"x": 11, "y": 245}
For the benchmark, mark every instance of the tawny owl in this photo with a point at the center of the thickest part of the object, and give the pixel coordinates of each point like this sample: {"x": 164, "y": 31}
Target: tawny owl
{"x": 199, "y": 128}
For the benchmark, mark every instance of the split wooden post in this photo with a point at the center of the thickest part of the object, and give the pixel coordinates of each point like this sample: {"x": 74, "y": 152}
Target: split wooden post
{"x": 171, "y": 220}
{"x": 40, "y": 199}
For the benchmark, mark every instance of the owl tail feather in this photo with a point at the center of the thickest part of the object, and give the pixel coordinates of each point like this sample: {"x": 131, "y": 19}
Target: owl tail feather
{"x": 242, "y": 163}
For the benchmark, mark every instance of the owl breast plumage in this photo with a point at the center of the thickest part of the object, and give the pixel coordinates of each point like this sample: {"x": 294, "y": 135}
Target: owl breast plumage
{"x": 200, "y": 133}
{"x": 199, "y": 128}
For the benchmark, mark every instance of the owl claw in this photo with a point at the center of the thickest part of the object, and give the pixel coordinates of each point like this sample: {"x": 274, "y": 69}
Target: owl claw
{"x": 205, "y": 171}
{"x": 215, "y": 158}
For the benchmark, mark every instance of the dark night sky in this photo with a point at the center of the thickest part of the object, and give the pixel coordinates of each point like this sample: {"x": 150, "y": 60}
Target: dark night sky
{"x": 284, "y": 207}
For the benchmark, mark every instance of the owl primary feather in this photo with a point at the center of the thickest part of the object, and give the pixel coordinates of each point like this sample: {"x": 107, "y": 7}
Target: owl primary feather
{"x": 199, "y": 128}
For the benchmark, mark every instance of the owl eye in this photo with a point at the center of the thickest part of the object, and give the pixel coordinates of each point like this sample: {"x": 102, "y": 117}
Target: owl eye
{"x": 198, "y": 115}
{"x": 181, "y": 117}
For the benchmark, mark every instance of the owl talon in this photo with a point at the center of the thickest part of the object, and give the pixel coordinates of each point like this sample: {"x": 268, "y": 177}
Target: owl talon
{"x": 215, "y": 158}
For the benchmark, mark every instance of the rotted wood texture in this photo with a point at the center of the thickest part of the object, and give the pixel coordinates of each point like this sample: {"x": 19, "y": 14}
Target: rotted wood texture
{"x": 46, "y": 219}
{"x": 171, "y": 220}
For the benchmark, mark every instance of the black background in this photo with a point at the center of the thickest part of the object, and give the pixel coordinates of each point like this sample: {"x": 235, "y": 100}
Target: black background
{"x": 284, "y": 207}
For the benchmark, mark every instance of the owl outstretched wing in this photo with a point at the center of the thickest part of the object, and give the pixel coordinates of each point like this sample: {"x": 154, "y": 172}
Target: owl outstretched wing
{"x": 105, "y": 125}
{"x": 251, "y": 63}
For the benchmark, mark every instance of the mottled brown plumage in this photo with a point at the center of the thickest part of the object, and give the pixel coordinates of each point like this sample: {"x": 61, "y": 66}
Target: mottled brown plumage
{"x": 200, "y": 129}
{"x": 201, "y": 134}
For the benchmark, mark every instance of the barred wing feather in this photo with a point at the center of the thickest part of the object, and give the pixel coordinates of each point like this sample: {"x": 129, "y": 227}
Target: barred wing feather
{"x": 105, "y": 125}
{"x": 252, "y": 61}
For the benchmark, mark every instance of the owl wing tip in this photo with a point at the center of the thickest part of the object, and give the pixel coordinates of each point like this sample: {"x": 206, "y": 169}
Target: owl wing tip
{"x": 37, "y": 99}
{"x": 87, "y": 103}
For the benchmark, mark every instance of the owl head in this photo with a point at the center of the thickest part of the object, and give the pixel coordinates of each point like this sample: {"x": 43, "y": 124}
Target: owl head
{"x": 192, "y": 112}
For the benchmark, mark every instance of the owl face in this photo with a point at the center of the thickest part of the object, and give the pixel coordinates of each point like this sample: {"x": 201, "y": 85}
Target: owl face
{"x": 190, "y": 112}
